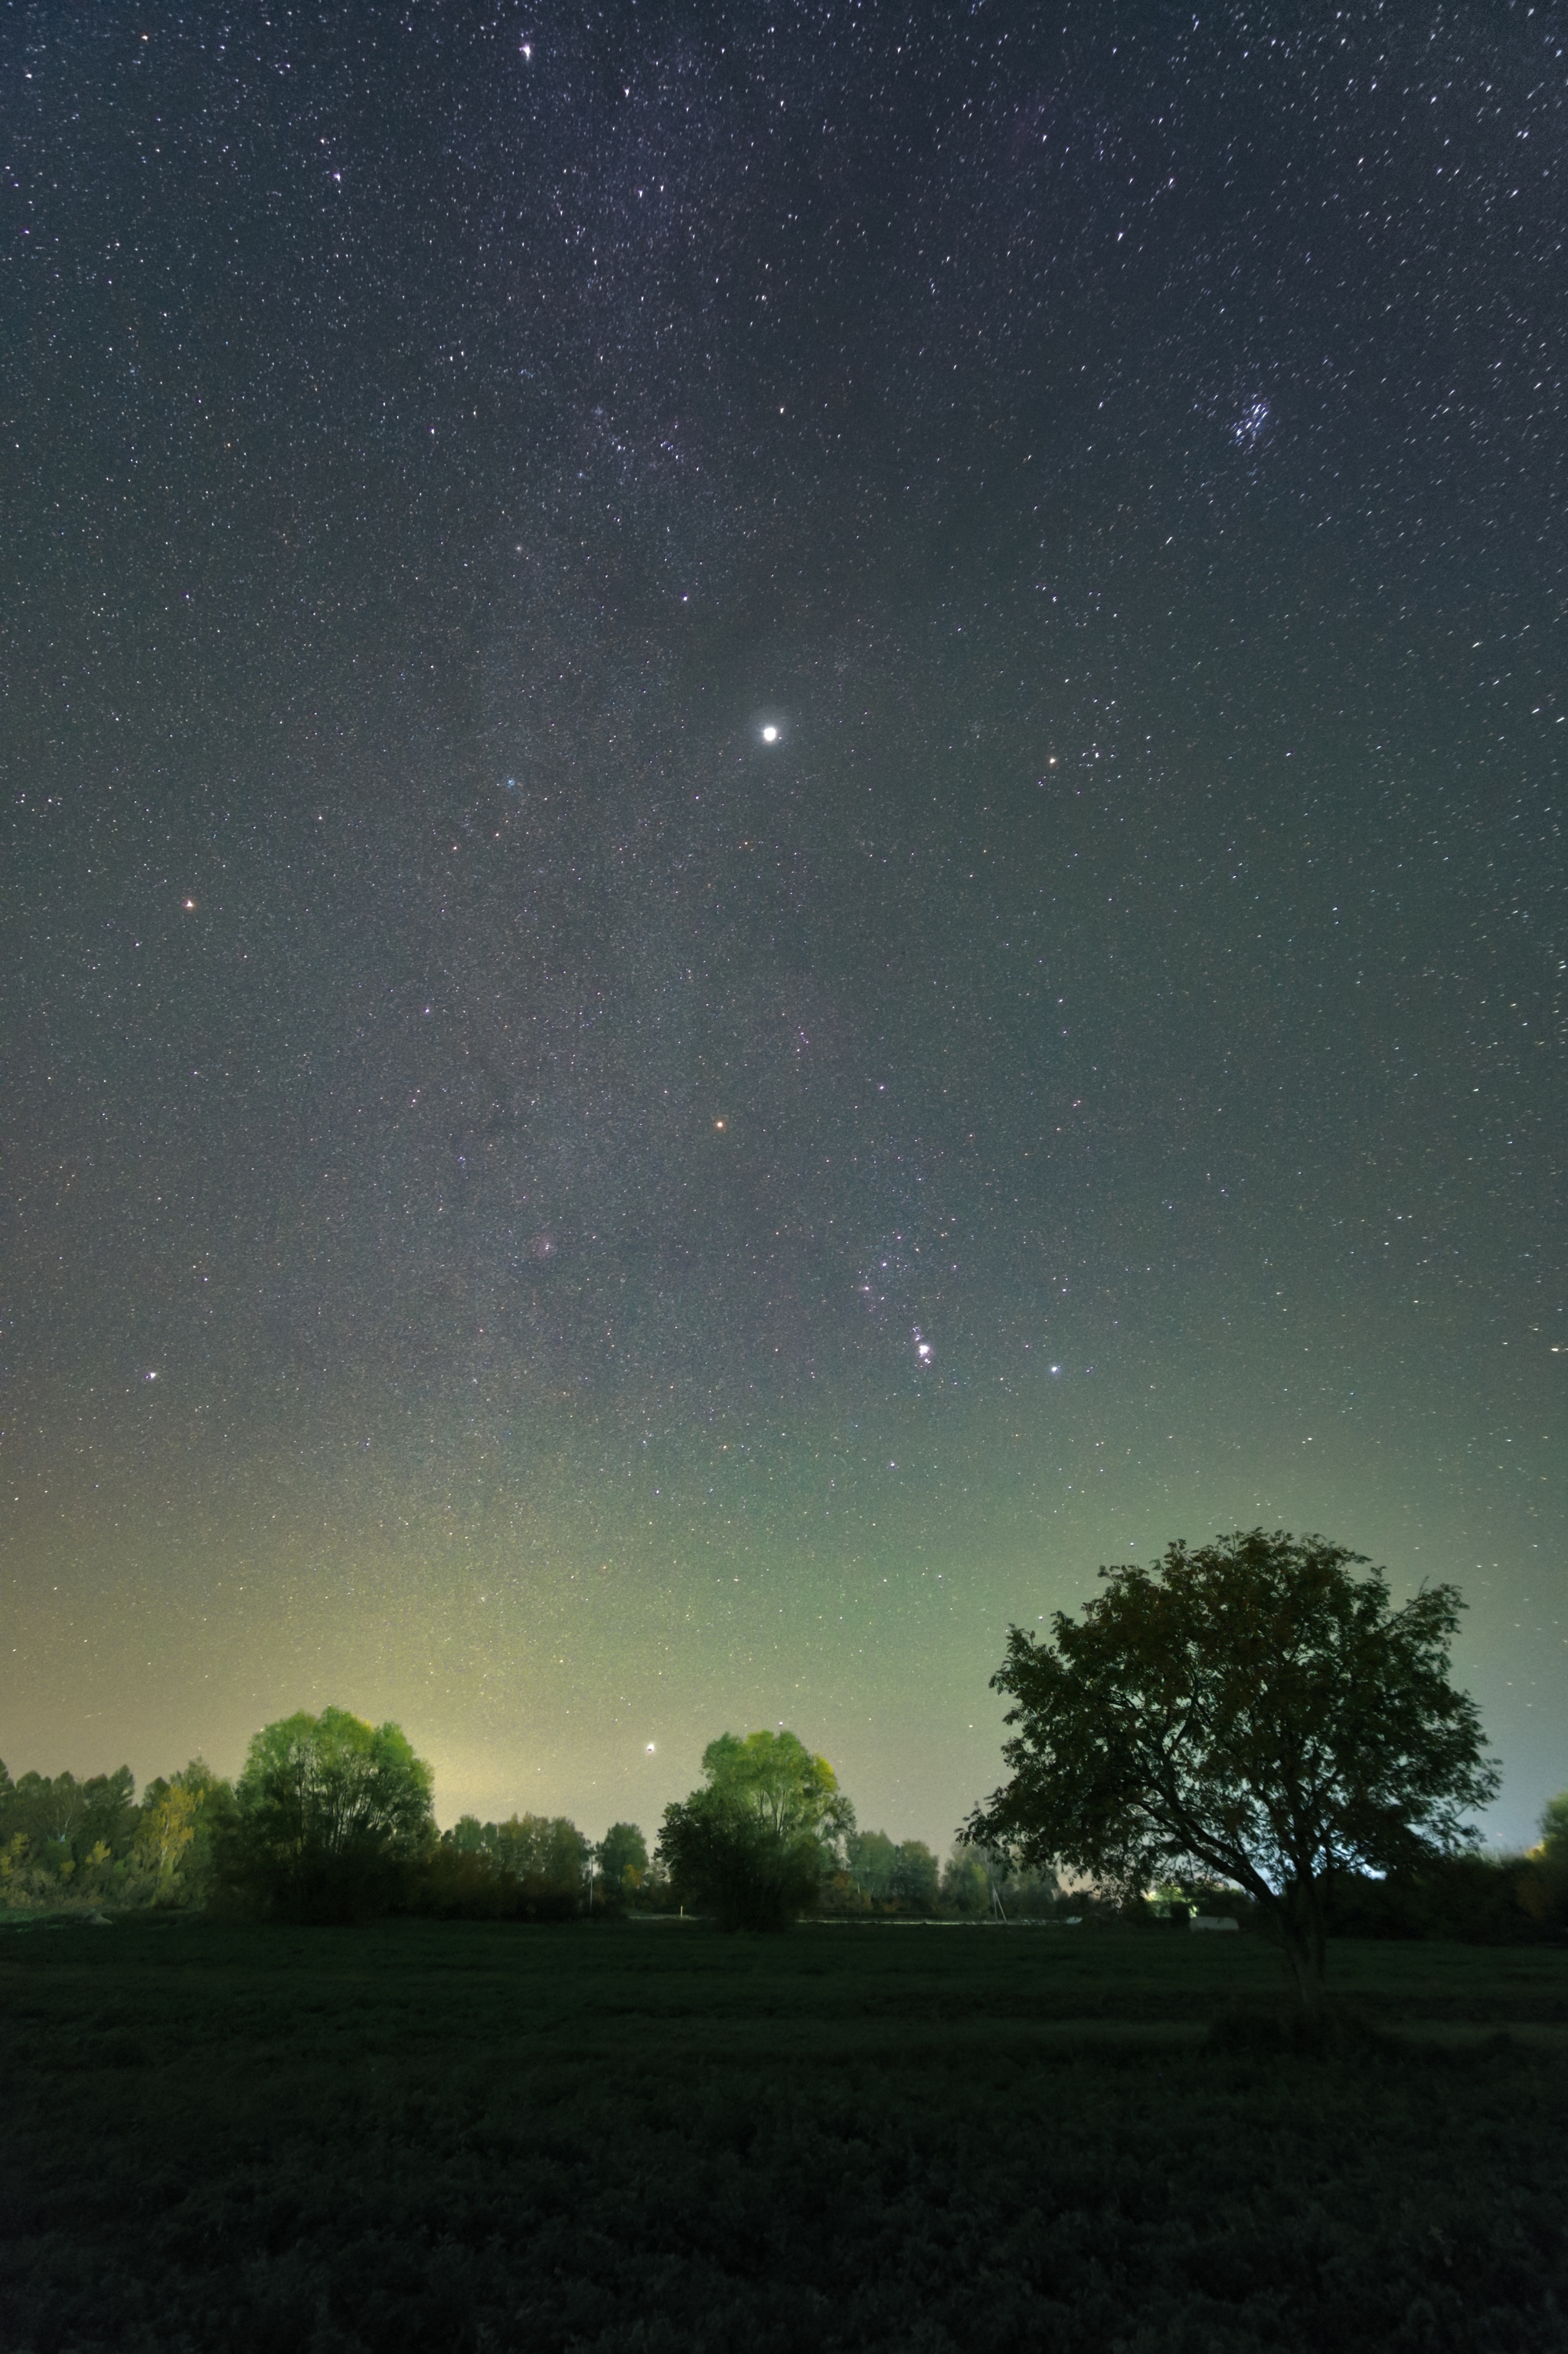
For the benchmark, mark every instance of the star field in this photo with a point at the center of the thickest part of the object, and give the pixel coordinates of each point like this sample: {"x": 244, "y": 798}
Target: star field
{"x": 785, "y": 851}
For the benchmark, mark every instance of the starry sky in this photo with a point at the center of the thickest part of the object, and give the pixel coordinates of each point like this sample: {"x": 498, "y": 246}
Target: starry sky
{"x": 785, "y": 851}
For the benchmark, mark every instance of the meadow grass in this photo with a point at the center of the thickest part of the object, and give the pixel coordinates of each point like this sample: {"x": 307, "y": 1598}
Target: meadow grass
{"x": 645, "y": 2136}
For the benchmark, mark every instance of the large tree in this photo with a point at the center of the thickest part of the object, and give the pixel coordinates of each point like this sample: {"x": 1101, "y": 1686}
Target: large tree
{"x": 327, "y": 1811}
{"x": 1255, "y": 1709}
{"x": 622, "y": 1858}
{"x": 755, "y": 1844}
{"x": 180, "y": 1820}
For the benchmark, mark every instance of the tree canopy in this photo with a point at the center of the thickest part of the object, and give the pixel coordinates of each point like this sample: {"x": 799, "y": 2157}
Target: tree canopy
{"x": 895, "y": 1875}
{"x": 755, "y": 1844}
{"x": 1253, "y": 1709}
{"x": 83, "y": 1845}
{"x": 326, "y": 1810}
{"x": 774, "y": 1776}
{"x": 622, "y": 1858}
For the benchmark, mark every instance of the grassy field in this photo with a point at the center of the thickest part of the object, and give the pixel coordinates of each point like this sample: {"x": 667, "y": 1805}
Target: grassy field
{"x": 646, "y": 2136}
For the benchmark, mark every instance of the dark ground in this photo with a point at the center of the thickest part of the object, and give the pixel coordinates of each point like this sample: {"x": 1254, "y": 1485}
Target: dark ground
{"x": 646, "y": 2136}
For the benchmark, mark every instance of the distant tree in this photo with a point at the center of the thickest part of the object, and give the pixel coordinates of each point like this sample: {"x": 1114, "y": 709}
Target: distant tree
{"x": 531, "y": 1867}
{"x": 914, "y": 1877}
{"x": 326, "y": 1812}
{"x": 71, "y": 1815}
{"x": 1028, "y": 1894}
{"x": 869, "y": 1859}
{"x": 881, "y": 1873}
{"x": 1554, "y": 1830}
{"x": 975, "y": 1878}
{"x": 180, "y": 1819}
{"x": 1547, "y": 1896}
{"x": 755, "y": 1845}
{"x": 965, "y": 1886}
{"x": 622, "y": 1858}
{"x": 547, "y": 1855}
{"x": 168, "y": 1826}
{"x": 65, "y": 1843}
{"x": 1475, "y": 1899}
{"x": 1252, "y": 1709}
{"x": 55, "y": 1826}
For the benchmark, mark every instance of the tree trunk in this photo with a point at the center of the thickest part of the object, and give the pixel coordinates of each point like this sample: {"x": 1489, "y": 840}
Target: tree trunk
{"x": 1300, "y": 1919}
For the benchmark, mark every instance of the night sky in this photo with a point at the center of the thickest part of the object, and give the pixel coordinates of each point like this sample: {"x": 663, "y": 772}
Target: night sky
{"x": 785, "y": 851}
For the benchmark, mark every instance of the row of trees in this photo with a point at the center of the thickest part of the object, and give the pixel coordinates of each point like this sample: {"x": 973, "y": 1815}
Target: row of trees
{"x": 1253, "y": 1716}
{"x": 770, "y": 1835}
{"x": 331, "y": 1818}
{"x": 87, "y": 1844}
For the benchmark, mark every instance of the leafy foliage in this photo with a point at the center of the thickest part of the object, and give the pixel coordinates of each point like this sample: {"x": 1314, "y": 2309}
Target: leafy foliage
{"x": 1554, "y": 1831}
{"x": 775, "y": 1777}
{"x": 1544, "y": 1891}
{"x": 978, "y": 1879}
{"x": 67, "y": 1817}
{"x": 892, "y": 1876}
{"x": 529, "y": 1868}
{"x": 622, "y": 1858}
{"x": 76, "y": 1847}
{"x": 326, "y": 1812}
{"x": 65, "y": 1844}
{"x": 1251, "y": 1709}
{"x": 966, "y": 1884}
{"x": 181, "y": 1818}
{"x": 1476, "y": 1900}
{"x": 755, "y": 1845}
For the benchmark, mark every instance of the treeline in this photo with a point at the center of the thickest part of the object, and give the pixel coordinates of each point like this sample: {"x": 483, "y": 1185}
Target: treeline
{"x": 80, "y": 1846}
{"x": 1476, "y": 1899}
{"x": 529, "y": 1868}
{"x": 331, "y": 1820}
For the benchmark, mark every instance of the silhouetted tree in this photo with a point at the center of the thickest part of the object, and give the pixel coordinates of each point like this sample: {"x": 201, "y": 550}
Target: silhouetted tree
{"x": 965, "y": 1886}
{"x": 531, "y": 1867}
{"x": 755, "y": 1845}
{"x": 59, "y": 1837}
{"x": 180, "y": 1819}
{"x": 869, "y": 1858}
{"x": 326, "y": 1812}
{"x": 1548, "y": 1885}
{"x": 887, "y": 1874}
{"x": 914, "y": 1877}
{"x": 547, "y": 1855}
{"x": 622, "y": 1858}
{"x": 1251, "y": 1709}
